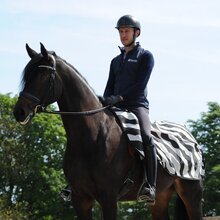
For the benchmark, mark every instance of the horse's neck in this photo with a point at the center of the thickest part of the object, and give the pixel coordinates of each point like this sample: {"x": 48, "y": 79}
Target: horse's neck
{"x": 77, "y": 96}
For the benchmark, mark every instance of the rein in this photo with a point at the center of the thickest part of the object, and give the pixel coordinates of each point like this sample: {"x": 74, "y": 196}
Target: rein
{"x": 84, "y": 113}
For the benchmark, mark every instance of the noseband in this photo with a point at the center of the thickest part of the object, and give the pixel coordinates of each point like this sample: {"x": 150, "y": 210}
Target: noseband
{"x": 40, "y": 105}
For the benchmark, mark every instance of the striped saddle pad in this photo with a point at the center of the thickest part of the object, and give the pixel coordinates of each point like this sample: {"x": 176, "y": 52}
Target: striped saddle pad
{"x": 177, "y": 150}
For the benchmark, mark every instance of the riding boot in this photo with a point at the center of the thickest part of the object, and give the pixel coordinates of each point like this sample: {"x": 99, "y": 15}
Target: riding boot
{"x": 147, "y": 191}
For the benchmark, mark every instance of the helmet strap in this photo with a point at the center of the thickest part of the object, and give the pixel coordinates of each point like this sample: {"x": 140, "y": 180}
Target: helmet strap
{"x": 134, "y": 38}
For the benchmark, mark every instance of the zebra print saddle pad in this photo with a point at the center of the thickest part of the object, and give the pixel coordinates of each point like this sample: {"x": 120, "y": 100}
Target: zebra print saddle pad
{"x": 177, "y": 150}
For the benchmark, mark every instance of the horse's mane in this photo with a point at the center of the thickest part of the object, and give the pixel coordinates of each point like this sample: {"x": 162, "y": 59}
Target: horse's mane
{"x": 76, "y": 71}
{"x": 70, "y": 65}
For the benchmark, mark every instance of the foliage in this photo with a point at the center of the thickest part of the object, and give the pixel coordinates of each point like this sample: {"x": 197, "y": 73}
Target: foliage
{"x": 18, "y": 212}
{"x": 31, "y": 164}
{"x": 126, "y": 211}
{"x": 133, "y": 210}
{"x": 207, "y": 132}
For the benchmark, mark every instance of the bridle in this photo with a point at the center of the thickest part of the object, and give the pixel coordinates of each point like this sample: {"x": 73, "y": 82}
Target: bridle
{"x": 40, "y": 105}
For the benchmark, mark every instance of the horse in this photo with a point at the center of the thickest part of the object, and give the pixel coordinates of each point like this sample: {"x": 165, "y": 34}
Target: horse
{"x": 97, "y": 158}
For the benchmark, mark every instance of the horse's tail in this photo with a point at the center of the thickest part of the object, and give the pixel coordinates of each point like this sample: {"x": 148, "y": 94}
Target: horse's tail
{"x": 180, "y": 210}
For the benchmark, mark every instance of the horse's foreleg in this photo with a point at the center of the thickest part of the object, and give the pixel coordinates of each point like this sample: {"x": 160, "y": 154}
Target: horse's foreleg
{"x": 109, "y": 208}
{"x": 83, "y": 207}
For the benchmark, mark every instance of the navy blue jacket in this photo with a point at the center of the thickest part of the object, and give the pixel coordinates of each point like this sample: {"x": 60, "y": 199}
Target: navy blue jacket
{"x": 129, "y": 75}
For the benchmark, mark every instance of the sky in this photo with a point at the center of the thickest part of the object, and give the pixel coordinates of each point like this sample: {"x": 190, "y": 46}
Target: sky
{"x": 184, "y": 37}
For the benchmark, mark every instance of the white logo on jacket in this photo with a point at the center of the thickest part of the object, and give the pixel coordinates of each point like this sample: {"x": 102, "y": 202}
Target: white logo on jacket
{"x": 131, "y": 60}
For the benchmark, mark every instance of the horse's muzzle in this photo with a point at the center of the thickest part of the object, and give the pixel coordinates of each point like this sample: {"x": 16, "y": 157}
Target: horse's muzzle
{"x": 22, "y": 115}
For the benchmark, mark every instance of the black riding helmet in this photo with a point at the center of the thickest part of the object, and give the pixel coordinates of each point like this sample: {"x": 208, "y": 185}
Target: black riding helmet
{"x": 128, "y": 21}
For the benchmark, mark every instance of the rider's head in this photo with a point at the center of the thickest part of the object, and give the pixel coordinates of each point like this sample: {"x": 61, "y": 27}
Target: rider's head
{"x": 127, "y": 24}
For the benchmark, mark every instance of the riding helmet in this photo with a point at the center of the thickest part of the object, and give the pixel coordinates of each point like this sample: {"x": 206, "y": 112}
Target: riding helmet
{"x": 128, "y": 21}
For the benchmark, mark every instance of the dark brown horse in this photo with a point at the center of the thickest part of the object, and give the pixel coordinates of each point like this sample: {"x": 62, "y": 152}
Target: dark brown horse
{"x": 97, "y": 159}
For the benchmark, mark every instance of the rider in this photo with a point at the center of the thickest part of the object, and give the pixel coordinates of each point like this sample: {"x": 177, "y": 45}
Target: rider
{"x": 127, "y": 86}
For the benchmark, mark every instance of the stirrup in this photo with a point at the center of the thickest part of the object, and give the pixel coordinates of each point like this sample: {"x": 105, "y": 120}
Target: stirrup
{"x": 66, "y": 194}
{"x": 146, "y": 196}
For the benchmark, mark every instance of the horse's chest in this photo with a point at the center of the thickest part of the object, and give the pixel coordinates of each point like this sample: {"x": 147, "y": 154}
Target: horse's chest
{"x": 76, "y": 168}
{"x": 79, "y": 176}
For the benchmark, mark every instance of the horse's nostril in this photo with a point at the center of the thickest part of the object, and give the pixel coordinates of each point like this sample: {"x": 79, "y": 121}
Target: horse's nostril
{"x": 19, "y": 113}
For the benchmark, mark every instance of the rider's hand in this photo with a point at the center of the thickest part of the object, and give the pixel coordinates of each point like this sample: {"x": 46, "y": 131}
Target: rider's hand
{"x": 111, "y": 100}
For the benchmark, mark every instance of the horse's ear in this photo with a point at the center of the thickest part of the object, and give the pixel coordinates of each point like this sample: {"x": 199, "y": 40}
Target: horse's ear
{"x": 44, "y": 51}
{"x": 32, "y": 53}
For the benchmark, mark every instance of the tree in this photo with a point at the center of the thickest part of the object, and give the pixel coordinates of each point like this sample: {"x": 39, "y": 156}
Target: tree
{"x": 31, "y": 164}
{"x": 206, "y": 130}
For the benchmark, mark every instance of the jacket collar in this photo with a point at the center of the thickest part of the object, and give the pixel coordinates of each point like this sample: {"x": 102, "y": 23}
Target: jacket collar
{"x": 122, "y": 49}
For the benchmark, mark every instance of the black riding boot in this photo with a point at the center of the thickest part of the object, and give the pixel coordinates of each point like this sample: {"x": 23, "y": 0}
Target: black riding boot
{"x": 147, "y": 191}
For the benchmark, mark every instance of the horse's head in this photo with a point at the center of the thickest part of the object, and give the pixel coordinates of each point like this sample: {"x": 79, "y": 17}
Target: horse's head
{"x": 40, "y": 85}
